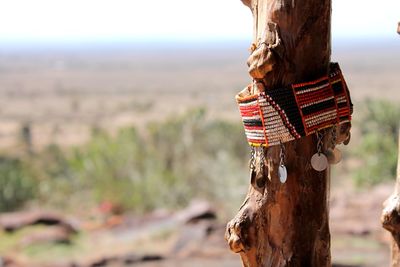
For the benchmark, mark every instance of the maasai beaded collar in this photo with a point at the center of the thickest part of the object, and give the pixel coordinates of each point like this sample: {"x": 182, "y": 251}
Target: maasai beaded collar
{"x": 276, "y": 116}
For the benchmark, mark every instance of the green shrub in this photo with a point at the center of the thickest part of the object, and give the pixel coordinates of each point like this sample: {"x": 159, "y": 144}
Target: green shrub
{"x": 201, "y": 158}
{"x": 166, "y": 165}
{"x": 16, "y": 184}
{"x": 109, "y": 168}
{"x": 378, "y": 123}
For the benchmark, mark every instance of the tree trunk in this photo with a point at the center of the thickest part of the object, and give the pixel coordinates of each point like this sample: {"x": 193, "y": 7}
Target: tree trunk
{"x": 287, "y": 224}
{"x": 391, "y": 216}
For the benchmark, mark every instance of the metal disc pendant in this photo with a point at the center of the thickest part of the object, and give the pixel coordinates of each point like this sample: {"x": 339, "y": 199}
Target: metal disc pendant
{"x": 334, "y": 156}
{"x": 282, "y": 174}
{"x": 319, "y": 162}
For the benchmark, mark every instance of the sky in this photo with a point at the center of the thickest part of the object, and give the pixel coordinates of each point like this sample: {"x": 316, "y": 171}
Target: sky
{"x": 107, "y": 20}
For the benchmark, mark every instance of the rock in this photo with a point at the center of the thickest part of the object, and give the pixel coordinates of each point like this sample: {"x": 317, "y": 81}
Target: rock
{"x": 16, "y": 220}
{"x": 8, "y": 262}
{"x": 191, "y": 238}
{"x": 121, "y": 260}
{"x": 130, "y": 259}
{"x": 55, "y": 234}
{"x": 103, "y": 262}
{"x": 55, "y": 264}
{"x": 197, "y": 210}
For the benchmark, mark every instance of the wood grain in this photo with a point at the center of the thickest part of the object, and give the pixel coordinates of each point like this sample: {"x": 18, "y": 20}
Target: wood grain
{"x": 286, "y": 224}
{"x": 391, "y": 217}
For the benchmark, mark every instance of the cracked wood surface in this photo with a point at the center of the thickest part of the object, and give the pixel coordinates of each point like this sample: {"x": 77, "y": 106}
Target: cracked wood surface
{"x": 391, "y": 216}
{"x": 287, "y": 224}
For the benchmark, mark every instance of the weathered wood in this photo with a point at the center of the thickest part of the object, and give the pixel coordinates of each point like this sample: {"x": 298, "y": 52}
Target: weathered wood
{"x": 391, "y": 217}
{"x": 287, "y": 224}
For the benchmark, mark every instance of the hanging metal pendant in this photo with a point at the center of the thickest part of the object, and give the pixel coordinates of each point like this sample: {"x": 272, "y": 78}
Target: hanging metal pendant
{"x": 334, "y": 155}
{"x": 319, "y": 162}
{"x": 282, "y": 173}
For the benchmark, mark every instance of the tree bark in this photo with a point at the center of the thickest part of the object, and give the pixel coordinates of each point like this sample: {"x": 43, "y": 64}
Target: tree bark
{"x": 391, "y": 216}
{"x": 287, "y": 224}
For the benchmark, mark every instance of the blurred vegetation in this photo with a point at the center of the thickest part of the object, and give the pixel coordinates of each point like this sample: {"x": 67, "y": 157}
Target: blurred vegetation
{"x": 17, "y": 184}
{"x": 378, "y": 123}
{"x": 171, "y": 162}
{"x": 165, "y": 166}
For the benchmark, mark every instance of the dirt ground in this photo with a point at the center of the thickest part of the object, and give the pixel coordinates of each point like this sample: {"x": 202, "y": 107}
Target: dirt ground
{"x": 357, "y": 237}
{"x": 166, "y": 239}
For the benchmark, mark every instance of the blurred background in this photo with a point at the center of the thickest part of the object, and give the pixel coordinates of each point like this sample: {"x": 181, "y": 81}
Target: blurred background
{"x": 121, "y": 143}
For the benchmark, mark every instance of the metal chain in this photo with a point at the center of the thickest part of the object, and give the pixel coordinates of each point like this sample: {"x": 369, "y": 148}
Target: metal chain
{"x": 282, "y": 155}
{"x": 319, "y": 142}
{"x": 334, "y": 137}
{"x": 252, "y": 158}
{"x": 262, "y": 158}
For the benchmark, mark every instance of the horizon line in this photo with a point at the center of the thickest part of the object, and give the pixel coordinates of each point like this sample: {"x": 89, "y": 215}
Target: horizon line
{"x": 35, "y": 43}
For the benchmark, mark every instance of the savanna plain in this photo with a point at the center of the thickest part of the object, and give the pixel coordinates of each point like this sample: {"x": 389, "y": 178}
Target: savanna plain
{"x": 133, "y": 154}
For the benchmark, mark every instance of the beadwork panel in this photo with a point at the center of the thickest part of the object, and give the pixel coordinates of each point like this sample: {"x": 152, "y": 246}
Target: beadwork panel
{"x": 285, "y": 114}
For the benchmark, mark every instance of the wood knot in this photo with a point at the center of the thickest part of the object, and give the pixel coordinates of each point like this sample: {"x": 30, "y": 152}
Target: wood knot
{"x": 267, "y": 53}
{"x": 238, "y": 230}
{"x": 391, "y": 214}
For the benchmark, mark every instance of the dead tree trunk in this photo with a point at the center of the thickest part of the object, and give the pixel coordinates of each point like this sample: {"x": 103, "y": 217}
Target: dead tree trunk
{"x": 287, "y": 224}
{"x": 391, "y": 217}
